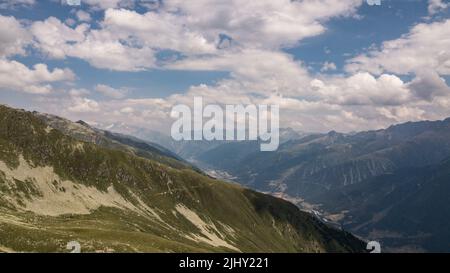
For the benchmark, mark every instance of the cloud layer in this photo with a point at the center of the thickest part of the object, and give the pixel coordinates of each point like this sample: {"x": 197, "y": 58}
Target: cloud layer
{"x": 399, "y": 80}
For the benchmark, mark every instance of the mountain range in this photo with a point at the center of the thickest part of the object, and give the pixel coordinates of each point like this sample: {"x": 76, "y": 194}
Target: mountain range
{"x": 389, "y": 185}
{"x": 64, "y": 181}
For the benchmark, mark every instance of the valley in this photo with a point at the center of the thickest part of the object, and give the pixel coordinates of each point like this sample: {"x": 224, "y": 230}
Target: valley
{"x": 64, "y": 181}
{"x": 380, "y": 185}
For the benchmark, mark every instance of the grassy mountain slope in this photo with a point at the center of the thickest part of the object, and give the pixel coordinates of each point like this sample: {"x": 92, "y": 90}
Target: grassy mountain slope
{"x": 55, "y": 189}
{"x": 84, "y": 132}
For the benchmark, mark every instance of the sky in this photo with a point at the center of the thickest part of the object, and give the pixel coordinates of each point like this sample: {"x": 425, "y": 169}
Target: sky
{"x": 340, "y": 65}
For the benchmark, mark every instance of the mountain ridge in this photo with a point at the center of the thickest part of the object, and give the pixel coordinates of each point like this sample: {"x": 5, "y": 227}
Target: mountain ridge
{"x": 356, "y": 181}
{"x": 57, "y": 189}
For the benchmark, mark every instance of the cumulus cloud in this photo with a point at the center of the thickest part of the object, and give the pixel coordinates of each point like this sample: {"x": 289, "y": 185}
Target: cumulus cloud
{"x": 421, "y": 53}
{"x": 13, "y": 37}
{"x": 83, "y": 105}
{"x": 78, "y": 92}
{"x": 55, "y": 38}
{"x": 435, "y": 6}
{"x": 328, "y": 66}
{"x": 363, "y": 89}
{"x": 83, "y": 16}
{"x": 424, "y": 47}
{"x": 100, "y": 48}
{"x": 156, "y": 30}
{"x": 127, "y": 110}
{"x": 428, "y": 84}
{"x": 16, "y": 76}
{"x": 254, "y": 71}
{"x": 401, "y": 113}
{"x": 110, "y": 92}
{"x": 106, "y": 4}
{"x": 11, "y": 4}
{"x": 260, "y": 24}
{"x": 128, "y": 40}
{"x": 246, "y": 39}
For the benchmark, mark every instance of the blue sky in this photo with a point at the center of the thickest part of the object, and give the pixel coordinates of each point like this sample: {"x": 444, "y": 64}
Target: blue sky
{"x": 350, "y": 36}
{"x": 344, "y": 36}
{"x": 325, "y": 62}
{"x": 159, "y": 81}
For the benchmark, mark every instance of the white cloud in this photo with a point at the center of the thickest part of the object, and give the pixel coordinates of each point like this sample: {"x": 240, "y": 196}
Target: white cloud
{"x": 254, "y": 71}
{"x": 156, "y": 30}
{"x": 363, "y": 89}
{"x": 16, "y": 76}
{"x": 112, "y": 54}
{"x": 70, "y": 22}
{"x": 78, "y": 92}
{"x": 328, "y": 66}
{"x": 55, "y": 38}
{"x": 401, "y": 113}
{"x": 127, "y": 110}
{"x": 128, "y": 40}
{"x": 355, "y": 102}
{"x": 372, "y": 95}
{"x": 260, "y": 24}
{"x": 13, "y": 37}
{"x": 426, "y": 46}
{"x": 100, "y": 48}
{"x": 421, "y": 53}
{"x": 111, "y": 92}
{"x": 84, "y": 105}
{"x": 83, "y": 16}
{"x": 435, "y": 6}
{"x": 11, "y": 4}
{"x": 106, "y": 4}
{"x": 257, "y": 24}
{"x": 427, "y": 85}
